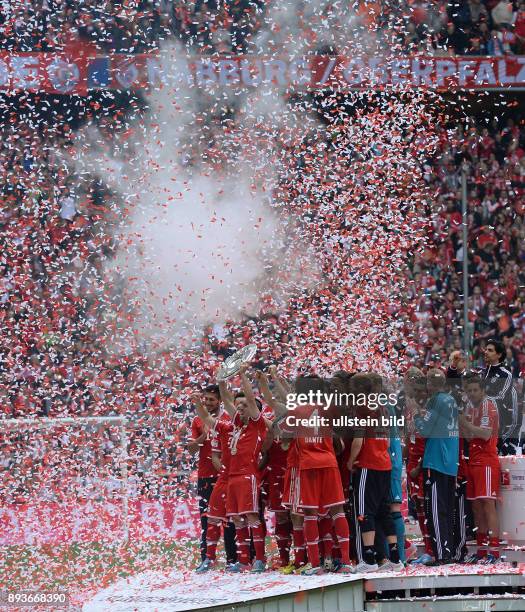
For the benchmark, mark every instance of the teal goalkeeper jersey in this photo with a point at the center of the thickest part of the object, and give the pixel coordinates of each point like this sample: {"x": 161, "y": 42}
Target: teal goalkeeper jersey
{"x": 439, "y": 426}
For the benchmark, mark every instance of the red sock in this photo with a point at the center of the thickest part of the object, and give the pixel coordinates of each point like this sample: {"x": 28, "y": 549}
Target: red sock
{"x": 258, "y": 540}
{"x": 243, "y": 544}
{"x": 311, "y": 536}
{"x": 213, "y": 533}
{"x": 494, "y": 546}
{"x": 320, "y": 546}
{"x": 481, "y": 541}
{"x": 298, "y": 546}
{"x": 336, "y": 549}
{"x": 343, "y": 536}
{"x": 325, "y": 536}
{"x": 283, "y": 537}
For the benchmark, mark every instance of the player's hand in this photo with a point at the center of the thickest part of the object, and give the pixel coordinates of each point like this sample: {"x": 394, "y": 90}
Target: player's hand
{"x": 195, "y": 398}
{"x": 243, "y": 369}
{"x": 414, "y": 472}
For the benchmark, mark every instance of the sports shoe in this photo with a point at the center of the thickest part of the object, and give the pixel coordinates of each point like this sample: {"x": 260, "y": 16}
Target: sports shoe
{"x": 422, "y": 559}
{"x": 238, "y": 567}
{"x": 439, "y": 562}
{"x": 287, "y": 569}
{"x": 308, "y": 570}
{"x": 472, "y": 559}
{"x": 205, "y": 566}
{"x": 489, "y": 560}
{"x": 258, "y": 567}
{"x": 390, "y": 566}
{"x": 328, "y": 565}
{"x": 364, "y": 568}
{"x": 345, "y": 569}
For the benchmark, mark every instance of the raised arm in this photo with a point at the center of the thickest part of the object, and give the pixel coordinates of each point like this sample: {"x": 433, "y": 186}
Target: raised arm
{"x": 278, "y": 407}
{"x": 282, "y": 387}
{"x": 246, "y": 385}
{"x": 227, "y": 398}
{"x": 202, "y": 411}
{"x": 264, "y": 388}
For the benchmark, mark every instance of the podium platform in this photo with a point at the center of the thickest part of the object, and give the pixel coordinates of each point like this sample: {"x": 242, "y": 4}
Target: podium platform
{"x": 452, "y": 587}
{"x": 447, "y": 588}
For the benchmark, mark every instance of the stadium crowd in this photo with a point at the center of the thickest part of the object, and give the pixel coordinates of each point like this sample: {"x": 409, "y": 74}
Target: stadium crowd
{"x": 57, "y": 307}
{"x": 461, "y": 27}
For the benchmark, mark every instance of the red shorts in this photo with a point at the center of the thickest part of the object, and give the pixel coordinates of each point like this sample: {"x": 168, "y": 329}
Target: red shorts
{"x": 483, "y": 482}
{"x": 415, "y": 486}
{"x": 291, "y": 489}
{"x": 320, "y": 489}
{"x": 273, "y": 486}
{"x": 242, "y": 495}
{"x": 217, "y": 503}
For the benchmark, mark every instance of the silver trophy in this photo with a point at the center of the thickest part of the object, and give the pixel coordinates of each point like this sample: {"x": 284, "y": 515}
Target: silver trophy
{"x": 232, "y": 364}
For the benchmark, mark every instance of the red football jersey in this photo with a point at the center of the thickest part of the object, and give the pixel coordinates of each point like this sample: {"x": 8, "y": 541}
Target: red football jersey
{"x": 416, "y": 449}
{"x": 374, "y": 455}
{"x": 245, "y": 445}
{"x": 277, "y": 455}
{"x": 315, "y": 446}
{"x": 221, "y": 443}
{"x": 205, "y": 467}
{"x": 316, "y": 452}
{"x": 485, "y": 452}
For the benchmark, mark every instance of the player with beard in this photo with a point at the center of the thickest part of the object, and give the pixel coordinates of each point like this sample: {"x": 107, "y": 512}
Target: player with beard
{"x": 244, "y": 478}
{"x": 206, "y": 471}
{"x": 222, "y": 429}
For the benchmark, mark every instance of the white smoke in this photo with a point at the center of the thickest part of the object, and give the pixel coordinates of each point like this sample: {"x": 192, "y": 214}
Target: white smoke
{"x": 201, "y": 246}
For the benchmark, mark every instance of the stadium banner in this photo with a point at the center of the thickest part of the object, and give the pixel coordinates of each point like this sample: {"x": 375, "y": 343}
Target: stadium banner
{"x": 37, "y": 523}
{"x": 78, "y": 71}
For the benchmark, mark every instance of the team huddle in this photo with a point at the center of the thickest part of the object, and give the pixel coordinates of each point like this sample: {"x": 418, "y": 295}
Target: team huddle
{"x": 336, "y": 492}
